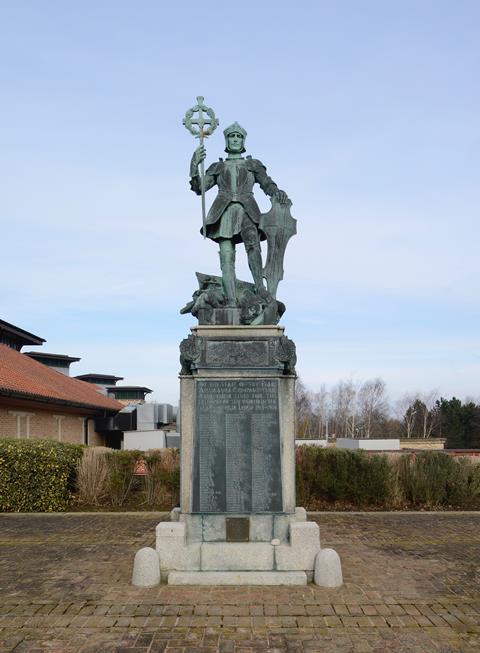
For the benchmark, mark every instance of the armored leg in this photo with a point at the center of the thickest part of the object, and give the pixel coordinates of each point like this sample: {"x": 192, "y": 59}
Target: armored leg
{"x": 227, "y": 264}
{"x": 254, "y": 253}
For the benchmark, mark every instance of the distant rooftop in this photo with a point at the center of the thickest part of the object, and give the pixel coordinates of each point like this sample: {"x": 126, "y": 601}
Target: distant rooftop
{"x": 16, "y": 338}
{"x": 38, "y": 355}
{"x": 60, "y": 362}
{"x": 100, "y": 379}
{"x": 128, "y": 392}
{"x": 116, "y": 388}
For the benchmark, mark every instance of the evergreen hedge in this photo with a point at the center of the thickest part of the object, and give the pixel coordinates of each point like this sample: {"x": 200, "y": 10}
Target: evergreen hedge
{"x": 37, "y": 475}
{"x": 341, "y": 475}
{"x": 341, "y": 478}
{"x": 434, "y": 480}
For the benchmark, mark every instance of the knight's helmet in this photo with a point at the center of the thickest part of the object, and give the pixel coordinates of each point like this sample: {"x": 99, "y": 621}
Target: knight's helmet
{"x": 234, "y": 127}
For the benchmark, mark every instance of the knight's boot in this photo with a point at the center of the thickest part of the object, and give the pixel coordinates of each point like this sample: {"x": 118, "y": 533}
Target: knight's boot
{"x": 254, "y": 254}
{"x": 227, "y": 264}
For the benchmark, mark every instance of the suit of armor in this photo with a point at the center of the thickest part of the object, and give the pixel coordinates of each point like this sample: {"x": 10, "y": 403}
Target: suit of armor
{"x": 234, "y": 216}
{"x": 235, "y": 179}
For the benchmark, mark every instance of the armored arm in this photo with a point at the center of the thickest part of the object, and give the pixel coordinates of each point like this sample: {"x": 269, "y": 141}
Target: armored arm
{"x": 266, "y": 183}
{"x": 195, "y": 184}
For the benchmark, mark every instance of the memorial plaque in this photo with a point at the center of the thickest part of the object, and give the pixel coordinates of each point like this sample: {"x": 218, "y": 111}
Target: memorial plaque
{"x": 237, "y": 466}
{"x": 237, "y": 529}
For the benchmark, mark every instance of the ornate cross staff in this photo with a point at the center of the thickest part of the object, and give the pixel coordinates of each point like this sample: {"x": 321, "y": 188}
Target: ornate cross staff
{"x": 206, "y": 126}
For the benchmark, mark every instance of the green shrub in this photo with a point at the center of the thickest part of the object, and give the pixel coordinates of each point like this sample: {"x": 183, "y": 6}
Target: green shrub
{"x": 463, "y": 485}
{"x": 424, "y": 478}
{"x": 340, "y": 475}
{"x": 120, "y": 481}
{"x": 432, "y": 479}
{"x": 354, "y": 479}
{"x": 37, "y": 475}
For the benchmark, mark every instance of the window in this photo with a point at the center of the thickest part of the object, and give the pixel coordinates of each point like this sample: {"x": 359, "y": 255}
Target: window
{"x": 23, "y": 422}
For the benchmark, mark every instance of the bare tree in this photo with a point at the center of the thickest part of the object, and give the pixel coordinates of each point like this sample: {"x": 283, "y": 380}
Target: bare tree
{"x": 303, "y": 411}
{"x": 372, "y": 405}
{"x": 428, "y": 416}
{"x": 321, "y": 408}
{"x": 404, "y": 407}
{"x": 343, "y": 399}
{"x": 418, "y": 414}
{"x": 353, "y": 410}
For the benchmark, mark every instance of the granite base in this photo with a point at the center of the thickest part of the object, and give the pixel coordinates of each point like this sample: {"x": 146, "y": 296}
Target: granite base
{"x": 287, "y": 561}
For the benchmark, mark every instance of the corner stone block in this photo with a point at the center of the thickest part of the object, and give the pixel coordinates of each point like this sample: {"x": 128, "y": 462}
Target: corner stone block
{"x": 304, "y": 533}
{"x": 328, "y": 569}
{"x": 172, "y": 549}
{"x": 146, "y": 568}
{"x": 304, "y": 546}
{"x": 172, "y": 530}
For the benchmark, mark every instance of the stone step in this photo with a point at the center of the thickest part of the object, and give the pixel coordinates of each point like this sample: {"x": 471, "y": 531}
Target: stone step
{"x": 237, "y": 578}
{"x": 237, "y": 556}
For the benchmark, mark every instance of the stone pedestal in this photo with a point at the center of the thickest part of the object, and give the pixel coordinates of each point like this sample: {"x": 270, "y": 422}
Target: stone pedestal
{"x": 237, "y": 522}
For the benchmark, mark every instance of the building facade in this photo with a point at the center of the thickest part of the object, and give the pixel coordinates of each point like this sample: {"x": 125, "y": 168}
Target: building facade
{"x": 38, "y": 400}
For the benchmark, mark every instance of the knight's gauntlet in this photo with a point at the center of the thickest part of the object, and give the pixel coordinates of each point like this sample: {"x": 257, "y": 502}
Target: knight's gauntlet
{"x": 194, "y": 165}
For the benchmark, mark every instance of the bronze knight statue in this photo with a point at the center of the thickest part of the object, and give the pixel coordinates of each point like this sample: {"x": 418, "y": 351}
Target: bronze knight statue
{"x": 235, "y": 217}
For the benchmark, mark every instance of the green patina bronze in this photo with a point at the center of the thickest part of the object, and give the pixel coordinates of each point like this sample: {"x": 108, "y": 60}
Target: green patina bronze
{"x": 235, "y": 217}
{"x": 201, "y": 127}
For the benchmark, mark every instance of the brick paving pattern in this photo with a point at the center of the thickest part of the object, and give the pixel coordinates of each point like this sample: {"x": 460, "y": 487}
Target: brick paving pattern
{"x": 412, "y": 585}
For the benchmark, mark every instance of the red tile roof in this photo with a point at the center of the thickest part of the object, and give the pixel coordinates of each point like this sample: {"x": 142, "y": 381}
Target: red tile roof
{"x": 21, "y": 376}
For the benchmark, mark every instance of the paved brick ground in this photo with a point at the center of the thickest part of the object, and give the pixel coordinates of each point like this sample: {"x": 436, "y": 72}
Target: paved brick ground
{"x": 412, "y": 584}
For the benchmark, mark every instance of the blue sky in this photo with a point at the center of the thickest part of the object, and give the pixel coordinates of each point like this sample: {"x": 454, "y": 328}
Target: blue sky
{"x": 367, "y": 114}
